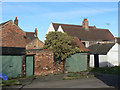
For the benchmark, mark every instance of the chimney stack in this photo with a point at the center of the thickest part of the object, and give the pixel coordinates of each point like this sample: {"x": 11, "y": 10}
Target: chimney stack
{"x": 36, "y": 32}
{"x": 94, "y": 26}
{"x": 85, "y": 23}
{"x": 16, "y": 21}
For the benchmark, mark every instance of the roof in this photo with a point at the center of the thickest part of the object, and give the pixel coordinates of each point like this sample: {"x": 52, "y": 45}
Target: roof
{"x": 92, "y": 34}
{"x": 4, "y": 23}
{"x": 101, "y": 49}
{"x": 80, "y": 45}
{"x": 30, "y": 36}
{"x": 12, "y": 35}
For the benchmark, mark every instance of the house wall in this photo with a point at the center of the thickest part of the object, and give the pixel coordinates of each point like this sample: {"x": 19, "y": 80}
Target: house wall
{"x": 113, "y": 55}
{"x": 35, "y": 44}
{"x": 50, "y": 28}
{"x": 103, "y": 61}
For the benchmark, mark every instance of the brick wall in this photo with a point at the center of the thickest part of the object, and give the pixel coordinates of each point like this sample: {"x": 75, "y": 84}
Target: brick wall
{"x": 44, "y": 62}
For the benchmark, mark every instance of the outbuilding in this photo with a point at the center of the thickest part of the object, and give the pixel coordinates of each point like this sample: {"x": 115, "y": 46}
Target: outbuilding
{"x": 104, "y": 55}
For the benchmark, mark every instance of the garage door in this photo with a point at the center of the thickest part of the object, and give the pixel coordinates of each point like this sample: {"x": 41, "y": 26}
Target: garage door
{"x": 11, "y": 65}
{"x": 77, "y": 62}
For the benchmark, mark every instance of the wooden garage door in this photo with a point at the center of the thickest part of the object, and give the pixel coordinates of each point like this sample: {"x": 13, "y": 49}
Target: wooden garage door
{"x": 77, "y": 62}
{"x": 11, "y": 65}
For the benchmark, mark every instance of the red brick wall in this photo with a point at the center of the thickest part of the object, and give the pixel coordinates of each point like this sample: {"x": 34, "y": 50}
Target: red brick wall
{"x": 44, "y": 62}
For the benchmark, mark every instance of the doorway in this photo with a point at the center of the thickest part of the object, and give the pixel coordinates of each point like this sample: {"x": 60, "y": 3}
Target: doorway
{"x": 96, "y": 60}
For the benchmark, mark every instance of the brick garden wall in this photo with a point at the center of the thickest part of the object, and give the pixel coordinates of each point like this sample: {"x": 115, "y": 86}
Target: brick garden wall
{"x": 43, "y": 61}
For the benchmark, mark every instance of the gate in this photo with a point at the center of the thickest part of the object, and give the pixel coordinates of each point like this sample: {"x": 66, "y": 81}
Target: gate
{"x": 29, "y": 65}
{"x": 77, "y": 62}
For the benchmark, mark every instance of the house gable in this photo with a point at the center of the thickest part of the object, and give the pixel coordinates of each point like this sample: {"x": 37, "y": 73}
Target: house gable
{"x": 32, "y": 41}
{"x": 12, "y": 35}
{"x": 60, "y": 29}
{"x": 50, "y": 28}
{"x": 113, "y": 55}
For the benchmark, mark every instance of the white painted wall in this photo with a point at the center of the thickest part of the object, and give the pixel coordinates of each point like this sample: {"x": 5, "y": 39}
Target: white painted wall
{"x": 103, "y": 61}
{"x": 113, "y": 55}
{"x": 60, "y": 29}
{"x": 111, "y": 59}
{"x": 91, "y": 60}
{"x": 50, "y": 28}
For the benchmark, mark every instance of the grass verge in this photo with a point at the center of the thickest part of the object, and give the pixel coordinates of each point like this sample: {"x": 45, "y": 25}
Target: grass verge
{"x": 106, "y": 70}
{"x": 10, "y": 83}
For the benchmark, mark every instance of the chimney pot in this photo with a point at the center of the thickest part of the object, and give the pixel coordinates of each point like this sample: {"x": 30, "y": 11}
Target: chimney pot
{"x": 16, "y": 21}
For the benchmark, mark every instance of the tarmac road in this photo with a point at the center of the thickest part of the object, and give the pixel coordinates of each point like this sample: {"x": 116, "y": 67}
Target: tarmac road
{"x": 78, "y": 83}
{"x": 104, "y": 81}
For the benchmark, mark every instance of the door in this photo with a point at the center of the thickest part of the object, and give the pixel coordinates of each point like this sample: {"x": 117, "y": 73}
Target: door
{"x": 77, "y": 62}
{"x": 11, "y": 65}
{"x": 29, "y": 65}
{"x": 96, "y": 60}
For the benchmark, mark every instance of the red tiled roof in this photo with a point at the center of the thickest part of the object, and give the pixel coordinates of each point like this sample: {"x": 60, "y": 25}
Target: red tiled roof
{"x": 80, "y": 45}
{"x": 12, "y": 35}
{"x": 92, "y": 34}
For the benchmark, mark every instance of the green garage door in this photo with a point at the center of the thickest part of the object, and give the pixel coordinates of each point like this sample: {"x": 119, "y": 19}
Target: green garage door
{"x": 77, "y": 62}
{"x": 11, "y": 65}
{"x": 29, "y": 65}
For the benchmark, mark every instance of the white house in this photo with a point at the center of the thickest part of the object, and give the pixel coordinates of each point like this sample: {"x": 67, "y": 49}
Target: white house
{"x": 88, "y": 35}
{"x": 104, "y": 55}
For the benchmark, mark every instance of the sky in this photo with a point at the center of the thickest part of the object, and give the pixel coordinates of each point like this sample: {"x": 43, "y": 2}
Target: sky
{"x": 39, "y": 15}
